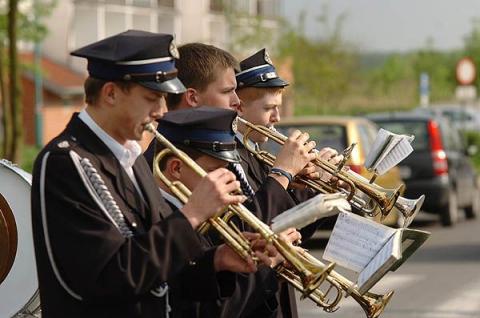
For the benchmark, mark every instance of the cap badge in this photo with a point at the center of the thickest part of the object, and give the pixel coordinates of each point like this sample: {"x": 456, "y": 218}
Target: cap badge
{"x": 173, "y": 50}
{"x": 267, "y": 58}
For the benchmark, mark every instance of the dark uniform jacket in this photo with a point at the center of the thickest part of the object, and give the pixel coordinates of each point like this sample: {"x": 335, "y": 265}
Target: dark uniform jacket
{"x": 86, "y": 267}
{"x": 198, "y": 291}
{"x": 271, "y": 199}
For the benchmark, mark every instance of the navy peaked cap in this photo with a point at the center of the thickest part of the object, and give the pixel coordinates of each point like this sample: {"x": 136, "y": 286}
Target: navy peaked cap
{"x": 205, "y": 129}
{"x": 142, "y": 57}
{"x": 258, "y": 71}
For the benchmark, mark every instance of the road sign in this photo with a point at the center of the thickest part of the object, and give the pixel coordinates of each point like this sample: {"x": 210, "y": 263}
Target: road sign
{"x": 465, "y": 71}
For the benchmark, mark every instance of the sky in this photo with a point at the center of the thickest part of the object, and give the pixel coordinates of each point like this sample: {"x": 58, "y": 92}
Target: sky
{"x": 392, "y": 25}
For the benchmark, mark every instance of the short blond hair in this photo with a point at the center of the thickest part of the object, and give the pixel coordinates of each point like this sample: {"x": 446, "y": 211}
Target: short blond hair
{"x": 250, "y": 94}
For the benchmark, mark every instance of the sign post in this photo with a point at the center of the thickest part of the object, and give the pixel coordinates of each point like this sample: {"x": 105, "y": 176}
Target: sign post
{"x": 424, "y": 89}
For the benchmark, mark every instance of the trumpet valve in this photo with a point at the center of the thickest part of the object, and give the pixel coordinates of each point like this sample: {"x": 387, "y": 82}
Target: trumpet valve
{"x": 314, "y": 280}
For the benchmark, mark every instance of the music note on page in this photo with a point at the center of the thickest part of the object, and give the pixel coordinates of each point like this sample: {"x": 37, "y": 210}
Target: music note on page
{"x": 355, "y": 241}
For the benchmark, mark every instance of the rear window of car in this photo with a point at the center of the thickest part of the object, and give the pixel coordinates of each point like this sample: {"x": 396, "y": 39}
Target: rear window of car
{"x": 333, "y": 136}
{"x": 416, "y": 128}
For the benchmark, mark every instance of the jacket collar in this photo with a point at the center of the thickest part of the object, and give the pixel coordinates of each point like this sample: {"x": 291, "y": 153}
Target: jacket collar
{"x": 109, "y": 163}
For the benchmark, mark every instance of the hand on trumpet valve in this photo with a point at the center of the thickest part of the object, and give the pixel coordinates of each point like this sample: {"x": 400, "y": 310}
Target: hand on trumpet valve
{"x": 296, "y": 153}
{"x": 291, "y": 236}
{"x": 226, "y": 259}
{"x": 332, "y": 156}
{"x": 212, "y": 194}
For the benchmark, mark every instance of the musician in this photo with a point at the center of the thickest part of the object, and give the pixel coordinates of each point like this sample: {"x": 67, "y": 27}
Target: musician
{"x": 106, "y": 242}
{"x": 260, "y": 90}
{"x": 209, "y": 75}
{"x": 205, "y": 134}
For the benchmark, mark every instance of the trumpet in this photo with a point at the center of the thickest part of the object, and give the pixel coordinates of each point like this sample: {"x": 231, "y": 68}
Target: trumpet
{"x": 372, "y": 304}
{"x": 310, "y": 276}
{"x": 383, "y": 199}
{"x": 304, "y": 272}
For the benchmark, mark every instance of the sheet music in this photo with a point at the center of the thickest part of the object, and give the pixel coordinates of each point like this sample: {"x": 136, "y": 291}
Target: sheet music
{"x": 355, "y": 240}
{"x": 387, "y": 151}
{"x": 320, "y": 206}
{"x": 379, "y": 260}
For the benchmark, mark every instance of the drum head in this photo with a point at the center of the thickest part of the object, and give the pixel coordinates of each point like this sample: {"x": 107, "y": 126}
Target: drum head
{"x": 20, "y": 282}
{"x": 8, "y": 238}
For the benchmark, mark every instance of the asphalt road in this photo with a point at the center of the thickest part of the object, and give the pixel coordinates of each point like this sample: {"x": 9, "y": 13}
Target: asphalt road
{"x": 441, "y": 280}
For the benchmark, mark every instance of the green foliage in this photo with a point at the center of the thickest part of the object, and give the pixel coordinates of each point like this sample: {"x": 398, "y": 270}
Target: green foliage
{"x": 472, "y": 138}
{"x": 472, "y": 44}
{"x": 20, "y": 20}
{"x": 29, "y": 153}
{"x": 323, "y": 69}
{"x": 440, "y": 67}
{"x": 30, "y": 19}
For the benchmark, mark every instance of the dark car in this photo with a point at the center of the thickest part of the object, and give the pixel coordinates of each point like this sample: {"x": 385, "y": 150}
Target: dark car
{"x": 439, "y": 166}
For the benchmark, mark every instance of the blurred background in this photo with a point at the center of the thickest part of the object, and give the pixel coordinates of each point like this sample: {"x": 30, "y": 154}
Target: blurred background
{"x": 342, "y": 57}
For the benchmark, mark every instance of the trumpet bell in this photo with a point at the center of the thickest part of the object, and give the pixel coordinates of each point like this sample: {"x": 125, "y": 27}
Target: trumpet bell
{"x": 392, "y": 197}
{"x": 377, "y": 304}
{"x": 409, "y": 208}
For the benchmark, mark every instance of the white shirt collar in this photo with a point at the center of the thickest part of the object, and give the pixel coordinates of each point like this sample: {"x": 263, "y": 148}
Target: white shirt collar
{"x": 125, "y": 154}
{"x": 172, "y": 199}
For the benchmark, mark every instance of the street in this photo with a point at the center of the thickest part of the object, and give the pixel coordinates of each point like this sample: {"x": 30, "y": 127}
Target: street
{"x": 442, "y": 280}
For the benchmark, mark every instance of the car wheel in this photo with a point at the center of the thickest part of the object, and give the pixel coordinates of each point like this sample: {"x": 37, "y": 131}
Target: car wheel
{"x": 473, "y": 210}
{"x": 449, "y": 213}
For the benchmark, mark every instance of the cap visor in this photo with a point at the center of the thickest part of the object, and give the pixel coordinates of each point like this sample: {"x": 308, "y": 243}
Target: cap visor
{"x": 173, "y": 86}
{"x": 276, "y": 82}
{"x": 229, "y": 156}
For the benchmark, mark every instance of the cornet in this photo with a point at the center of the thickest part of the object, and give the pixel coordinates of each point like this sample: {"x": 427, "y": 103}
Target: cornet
{"x": 372, "y": 304}
{"x": 303, "y": 272}
{"x": 383, "y": 199}
{"x": 309, "y": 275}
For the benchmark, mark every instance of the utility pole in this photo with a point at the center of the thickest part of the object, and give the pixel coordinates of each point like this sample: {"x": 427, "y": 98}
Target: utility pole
{"x": 38, "y": 81}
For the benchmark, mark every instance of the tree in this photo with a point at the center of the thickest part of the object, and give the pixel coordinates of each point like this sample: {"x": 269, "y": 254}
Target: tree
{"x": 472, "y": 43}
{"x": 440, "y": 66}
{"x": 323, "y": 68}
{"x": 16, "y": 25}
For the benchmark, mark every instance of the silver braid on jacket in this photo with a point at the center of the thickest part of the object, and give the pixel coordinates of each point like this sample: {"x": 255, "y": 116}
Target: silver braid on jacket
{"x": 106, "y": 197}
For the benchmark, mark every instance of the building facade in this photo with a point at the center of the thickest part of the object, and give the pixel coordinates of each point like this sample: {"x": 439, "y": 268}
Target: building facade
{"x": 75, "y": 23}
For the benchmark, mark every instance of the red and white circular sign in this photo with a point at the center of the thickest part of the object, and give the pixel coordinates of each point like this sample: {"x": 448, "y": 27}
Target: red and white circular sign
{"x": 466, "y": 71}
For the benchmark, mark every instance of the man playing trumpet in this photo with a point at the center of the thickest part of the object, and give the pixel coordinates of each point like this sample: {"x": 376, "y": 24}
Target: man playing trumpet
{"x": 105, "y": 240}
{"x": 205, "y": 135}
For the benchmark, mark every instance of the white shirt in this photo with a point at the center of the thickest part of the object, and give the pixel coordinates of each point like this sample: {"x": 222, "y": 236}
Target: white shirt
{"x": 172, "y": 199}
{"x": 125, "y": 154}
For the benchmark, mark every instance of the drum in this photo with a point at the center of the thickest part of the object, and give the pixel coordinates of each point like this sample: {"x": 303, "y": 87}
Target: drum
{"x": 19, "y": 286}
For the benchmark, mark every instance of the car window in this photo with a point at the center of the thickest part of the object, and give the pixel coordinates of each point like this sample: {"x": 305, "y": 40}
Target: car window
{"x": 451, "y": 137}
{"x": 416, "y": 128}
{"x": 325, "y": 135}
{"x": 454, "y": 116}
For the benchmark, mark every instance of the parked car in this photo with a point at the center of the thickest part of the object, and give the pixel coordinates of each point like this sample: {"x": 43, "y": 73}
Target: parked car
{"x": 439, "y": 166}
{"x": 338, "y": 133}
{"x": 464, "y": 118}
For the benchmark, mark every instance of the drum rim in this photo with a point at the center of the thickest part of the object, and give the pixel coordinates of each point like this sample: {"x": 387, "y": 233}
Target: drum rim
{"x": 31, "y": 304}
{"x": 12, "y": 238}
